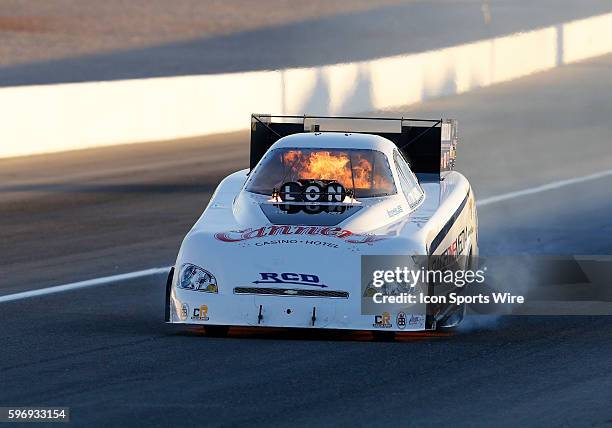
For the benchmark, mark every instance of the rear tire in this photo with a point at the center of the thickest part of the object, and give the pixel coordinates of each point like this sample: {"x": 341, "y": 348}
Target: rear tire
{"x": 216, "y": 330}
{"x": 455, "y": 317}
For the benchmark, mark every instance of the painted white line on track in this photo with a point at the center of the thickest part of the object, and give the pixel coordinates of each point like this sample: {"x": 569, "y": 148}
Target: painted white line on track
{"x": 84, "y": 284}
{"x": 543, "y": 188}
{"x": 156, "y": 271}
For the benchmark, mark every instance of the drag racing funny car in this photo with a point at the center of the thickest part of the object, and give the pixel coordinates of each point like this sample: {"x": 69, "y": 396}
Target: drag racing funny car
{"x": 286, "y": 242}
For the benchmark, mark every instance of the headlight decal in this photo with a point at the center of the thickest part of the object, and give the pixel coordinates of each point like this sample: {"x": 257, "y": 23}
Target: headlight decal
{"x": 195, "y": 278}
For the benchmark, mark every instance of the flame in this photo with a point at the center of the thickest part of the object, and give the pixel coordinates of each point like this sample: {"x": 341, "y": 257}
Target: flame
{"x": 327, "y": 165}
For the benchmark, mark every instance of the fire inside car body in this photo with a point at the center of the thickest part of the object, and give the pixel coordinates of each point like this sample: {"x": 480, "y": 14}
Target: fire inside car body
{"x": 280, "y": 243}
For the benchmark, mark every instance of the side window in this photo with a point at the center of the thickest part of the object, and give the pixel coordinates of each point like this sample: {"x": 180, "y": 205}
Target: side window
{"x": 409, "y": 183}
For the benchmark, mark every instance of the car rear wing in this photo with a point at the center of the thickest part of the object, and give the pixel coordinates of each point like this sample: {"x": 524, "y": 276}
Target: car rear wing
{"x": 428, "y": 144}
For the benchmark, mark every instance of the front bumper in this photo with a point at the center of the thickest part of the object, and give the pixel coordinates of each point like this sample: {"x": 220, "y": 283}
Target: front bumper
{"x": 189, "y": 307}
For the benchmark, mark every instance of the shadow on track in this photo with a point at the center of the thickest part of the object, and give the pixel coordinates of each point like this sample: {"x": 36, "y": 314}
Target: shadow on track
{"x": 271, "y": 333}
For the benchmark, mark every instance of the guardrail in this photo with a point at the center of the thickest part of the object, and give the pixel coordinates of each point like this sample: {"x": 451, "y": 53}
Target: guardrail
{"x": 50, "y": 118}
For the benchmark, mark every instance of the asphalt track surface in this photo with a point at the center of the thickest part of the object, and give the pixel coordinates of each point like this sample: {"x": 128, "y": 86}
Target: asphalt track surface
{"x": 106, "y": 353}
{"x": 77, "y": 41}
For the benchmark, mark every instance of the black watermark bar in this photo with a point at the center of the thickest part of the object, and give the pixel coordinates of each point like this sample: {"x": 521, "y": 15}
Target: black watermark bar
{"x": 517, "y": 285}
{"x": 34, "y": 414}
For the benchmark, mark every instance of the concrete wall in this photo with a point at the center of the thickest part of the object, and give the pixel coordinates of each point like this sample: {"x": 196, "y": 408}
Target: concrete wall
{"x": 49, "y": 118}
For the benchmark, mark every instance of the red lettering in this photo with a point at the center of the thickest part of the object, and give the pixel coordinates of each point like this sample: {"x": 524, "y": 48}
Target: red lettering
{"x": 344, "y": 234}
{"x": 261, "y": 232}
{"x": 227, "y": 236}
{"x": 310, "y": 230}
{"x": 279, "y": 230}
{"x": 330, "y": 231}
{"x": 254, "y": 233}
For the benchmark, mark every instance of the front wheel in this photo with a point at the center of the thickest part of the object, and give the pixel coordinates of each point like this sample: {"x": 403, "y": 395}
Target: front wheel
{"x": 216, "y": 330}
{"x": 383, "y": 336}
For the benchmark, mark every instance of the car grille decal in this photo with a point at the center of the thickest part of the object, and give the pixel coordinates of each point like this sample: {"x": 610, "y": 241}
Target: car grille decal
{"x": 291, "y": 292}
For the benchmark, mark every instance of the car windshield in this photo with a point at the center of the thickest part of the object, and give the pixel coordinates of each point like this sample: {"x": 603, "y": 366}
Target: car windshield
{"x": 365, "y": 171}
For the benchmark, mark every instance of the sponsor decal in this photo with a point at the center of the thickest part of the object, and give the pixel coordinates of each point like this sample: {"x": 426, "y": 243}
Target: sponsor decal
{"x": 395, "y": 211}
{"x": 382, "y": 321}
{"x": 297, "y": 241}
{"x": 458, "y": 245}
{"x": 400, "y": 320}
{"x": 416, "y": 319}
{"x": 312, "y": 191}
{"x": 455, "y": 249}
{"x": 307, "y": 231}
{"x": 184, "y": 312}
{"x": 289, "y": 278}
{"x": 200, "y": 313}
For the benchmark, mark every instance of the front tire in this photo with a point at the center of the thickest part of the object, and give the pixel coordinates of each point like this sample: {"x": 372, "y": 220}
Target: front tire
{"x": 383, "y": 336}
{"x": 216, "y": 330}
{"x": 168, "y": 292}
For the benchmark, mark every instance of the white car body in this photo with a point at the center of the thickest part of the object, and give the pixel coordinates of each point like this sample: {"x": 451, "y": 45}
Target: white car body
{"x": 234, "y": 241}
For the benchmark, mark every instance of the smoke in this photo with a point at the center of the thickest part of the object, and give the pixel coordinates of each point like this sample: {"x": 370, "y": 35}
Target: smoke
{"x": 508, "y": 275}
{"x": 472, "y": 323}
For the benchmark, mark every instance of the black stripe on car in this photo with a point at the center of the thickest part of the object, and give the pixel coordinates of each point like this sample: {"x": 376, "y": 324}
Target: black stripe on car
{"x": 435, "y": 243}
